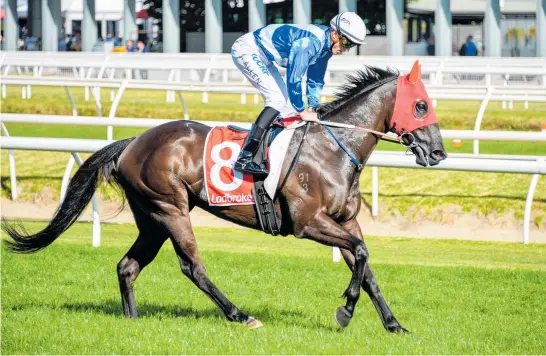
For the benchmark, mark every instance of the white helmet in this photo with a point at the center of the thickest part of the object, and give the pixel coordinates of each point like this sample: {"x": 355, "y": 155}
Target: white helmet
{"x": 350, "y": 25}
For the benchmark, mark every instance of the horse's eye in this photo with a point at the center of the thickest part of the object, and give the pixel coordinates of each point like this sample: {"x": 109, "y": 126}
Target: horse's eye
{"x": 420, "y": 109}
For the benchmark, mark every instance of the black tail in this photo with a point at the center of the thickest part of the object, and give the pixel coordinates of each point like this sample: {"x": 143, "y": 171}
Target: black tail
{"x": 97, "y": 168}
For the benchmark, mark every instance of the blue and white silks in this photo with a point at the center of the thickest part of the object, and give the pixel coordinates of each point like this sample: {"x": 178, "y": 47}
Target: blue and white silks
{"x": 300, "y": 49}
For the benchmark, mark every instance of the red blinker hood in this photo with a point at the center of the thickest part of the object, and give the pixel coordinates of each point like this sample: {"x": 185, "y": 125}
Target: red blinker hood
{"x": 410, "y": 89}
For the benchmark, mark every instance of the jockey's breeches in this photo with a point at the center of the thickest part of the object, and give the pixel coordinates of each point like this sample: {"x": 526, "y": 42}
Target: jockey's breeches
{"x": 262, "y": 74}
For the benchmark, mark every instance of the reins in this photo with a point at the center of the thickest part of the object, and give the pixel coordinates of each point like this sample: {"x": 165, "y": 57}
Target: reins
{"x": 382, "y": 136}
{"x": 389, "y": 136}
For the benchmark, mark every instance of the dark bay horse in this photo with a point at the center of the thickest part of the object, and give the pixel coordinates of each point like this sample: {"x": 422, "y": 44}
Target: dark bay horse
{"x": 161, "y": 173}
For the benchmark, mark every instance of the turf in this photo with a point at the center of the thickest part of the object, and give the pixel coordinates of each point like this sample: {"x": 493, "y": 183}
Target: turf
{"x": 152, "y": 104}
{"x": 457, "y": 297}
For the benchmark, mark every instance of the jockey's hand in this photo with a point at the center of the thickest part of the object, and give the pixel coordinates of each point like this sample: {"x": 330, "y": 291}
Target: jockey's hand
{"x": 308, "y": 116}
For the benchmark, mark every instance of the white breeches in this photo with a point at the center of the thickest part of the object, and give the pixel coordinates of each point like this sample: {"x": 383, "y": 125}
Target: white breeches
{"x": 262, "y": 74}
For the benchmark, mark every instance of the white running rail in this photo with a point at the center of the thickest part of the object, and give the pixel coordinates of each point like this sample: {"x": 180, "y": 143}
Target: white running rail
{"x": 535, "y": 165}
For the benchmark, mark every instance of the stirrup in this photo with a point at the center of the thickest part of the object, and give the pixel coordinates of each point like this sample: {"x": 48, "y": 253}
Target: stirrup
{"x": 246, "y": 165}
{"x": 250, "y": 167}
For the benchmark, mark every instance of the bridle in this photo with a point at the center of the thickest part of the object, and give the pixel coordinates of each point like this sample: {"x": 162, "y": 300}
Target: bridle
{"x": 400, "y": 125}
{"x": 388, "y": 136}
{"x": 382, "y": 136}
{"x": 400, "y": 138}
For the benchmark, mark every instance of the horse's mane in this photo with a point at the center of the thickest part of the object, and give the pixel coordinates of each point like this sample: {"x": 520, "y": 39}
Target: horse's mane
{"x": 359, "y": 83}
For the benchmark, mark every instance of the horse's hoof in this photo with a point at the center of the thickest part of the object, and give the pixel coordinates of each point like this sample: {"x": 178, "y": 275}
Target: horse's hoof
{"x": 343, "y": 317}
{"x": 253, "y": 323}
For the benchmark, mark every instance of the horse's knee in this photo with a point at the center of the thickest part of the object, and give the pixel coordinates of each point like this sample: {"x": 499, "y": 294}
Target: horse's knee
{"x": 187, "y": 269}
{"x": 361, "y": 256}
{"x": 361, "y": 252}
{"x": 128, "y": 270}
{"x": 199, "y": 276}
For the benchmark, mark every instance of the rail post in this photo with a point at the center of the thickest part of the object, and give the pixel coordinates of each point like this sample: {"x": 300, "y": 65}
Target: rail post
{"x": 12, "y": 174}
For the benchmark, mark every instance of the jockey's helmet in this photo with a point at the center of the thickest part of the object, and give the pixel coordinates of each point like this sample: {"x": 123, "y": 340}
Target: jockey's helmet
{"x": 350, "y": 26}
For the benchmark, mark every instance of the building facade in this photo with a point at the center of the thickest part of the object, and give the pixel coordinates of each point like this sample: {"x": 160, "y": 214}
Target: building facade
{"x": 395, "y": 27}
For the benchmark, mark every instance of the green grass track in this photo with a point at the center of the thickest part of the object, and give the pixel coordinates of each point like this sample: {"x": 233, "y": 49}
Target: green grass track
{"x": 151, "y": 104}
{"x": 457, "y": 297}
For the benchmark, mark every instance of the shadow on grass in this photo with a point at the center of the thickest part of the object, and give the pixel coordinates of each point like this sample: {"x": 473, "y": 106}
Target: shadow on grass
{"x": 148, "y": 310}
{"x": 113, "y": 307}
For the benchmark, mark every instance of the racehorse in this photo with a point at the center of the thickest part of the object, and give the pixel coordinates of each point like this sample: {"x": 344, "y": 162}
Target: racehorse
{"x": 161, "y": 173}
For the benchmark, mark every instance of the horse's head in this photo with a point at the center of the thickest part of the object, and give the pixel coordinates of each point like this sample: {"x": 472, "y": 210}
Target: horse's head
{"x": 414, "y": 120}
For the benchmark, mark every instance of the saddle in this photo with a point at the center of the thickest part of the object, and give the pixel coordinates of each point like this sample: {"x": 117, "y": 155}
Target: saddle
{"x": 227, "y": 187}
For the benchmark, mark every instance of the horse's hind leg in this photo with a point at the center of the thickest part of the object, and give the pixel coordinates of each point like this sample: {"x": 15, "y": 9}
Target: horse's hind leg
{"x": 184, "y": 243}
{"x": 150, "y": 239}
{"x": 370, "y": 285}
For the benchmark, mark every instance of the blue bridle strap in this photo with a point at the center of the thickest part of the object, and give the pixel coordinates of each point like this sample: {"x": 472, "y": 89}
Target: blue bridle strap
{"x": 358, "y": 165}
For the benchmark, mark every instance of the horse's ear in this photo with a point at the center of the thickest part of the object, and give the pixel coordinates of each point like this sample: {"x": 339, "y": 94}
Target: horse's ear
{"x": 415, "y": 75}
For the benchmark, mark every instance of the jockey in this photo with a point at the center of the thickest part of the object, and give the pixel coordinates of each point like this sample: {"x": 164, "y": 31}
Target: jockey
{"x": 301, "y": 49}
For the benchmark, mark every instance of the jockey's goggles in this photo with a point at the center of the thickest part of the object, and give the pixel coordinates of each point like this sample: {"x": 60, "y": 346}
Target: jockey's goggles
{"x": 345, "y": 42}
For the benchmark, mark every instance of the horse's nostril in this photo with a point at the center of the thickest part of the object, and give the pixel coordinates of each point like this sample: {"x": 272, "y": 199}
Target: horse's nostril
{"x": 438, "y": 155}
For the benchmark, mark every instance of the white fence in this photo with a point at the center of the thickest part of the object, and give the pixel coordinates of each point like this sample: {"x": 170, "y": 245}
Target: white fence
{"x": 504, "y": 94}
{"x": 211, "y": 69}
{"x": 462, "y": 162}
{"x": 206, "y": 68}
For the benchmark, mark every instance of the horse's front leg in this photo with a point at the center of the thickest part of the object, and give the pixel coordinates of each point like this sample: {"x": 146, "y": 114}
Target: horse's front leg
{"x": 369, "y": 283}
{"x": 324, "y": 230}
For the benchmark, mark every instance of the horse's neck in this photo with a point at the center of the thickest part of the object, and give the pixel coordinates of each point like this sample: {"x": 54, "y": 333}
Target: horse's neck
{"x": 368, "y": 111}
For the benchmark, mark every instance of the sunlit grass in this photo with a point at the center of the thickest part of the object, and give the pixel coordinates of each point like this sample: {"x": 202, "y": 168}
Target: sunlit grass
{"x": 152, "y": 104}
{"x": 457, "y": 297}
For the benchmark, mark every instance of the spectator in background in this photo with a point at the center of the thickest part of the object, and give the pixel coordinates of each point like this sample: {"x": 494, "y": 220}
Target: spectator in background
{"x": 142, "y": 48}
{"x": 468, "y": 48}
{"x": 76, "y": 44}
{"x": 130, "y": 46}
{"x": 471, "y": 49}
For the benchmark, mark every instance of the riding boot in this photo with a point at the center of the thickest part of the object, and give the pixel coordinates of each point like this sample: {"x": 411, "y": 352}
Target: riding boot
{"x": 245, "y": 162}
